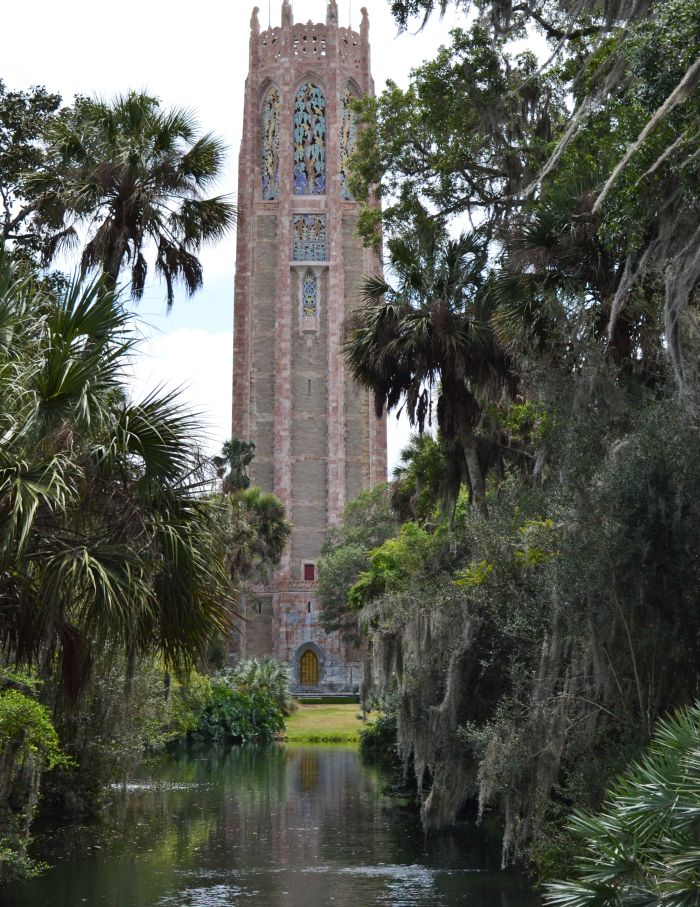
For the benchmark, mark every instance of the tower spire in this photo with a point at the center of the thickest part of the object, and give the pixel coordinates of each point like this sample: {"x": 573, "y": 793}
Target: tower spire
{"x": 364, "y": 25}
{"x": 332, "y": 13}
{"x": 286, "y": 13}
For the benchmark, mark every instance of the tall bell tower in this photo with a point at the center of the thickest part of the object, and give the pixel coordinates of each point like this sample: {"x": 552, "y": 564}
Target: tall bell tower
{"x": 299, "y": 265}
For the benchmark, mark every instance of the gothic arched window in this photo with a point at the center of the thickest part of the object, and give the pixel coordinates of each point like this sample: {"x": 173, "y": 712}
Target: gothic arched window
{"x": 348, "y": 138}
{"x": 309, "y": 140}
{"x": 270, "y": 163}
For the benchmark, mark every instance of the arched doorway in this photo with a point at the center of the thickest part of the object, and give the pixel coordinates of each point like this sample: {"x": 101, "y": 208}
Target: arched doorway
{"x": 308, "y": 669}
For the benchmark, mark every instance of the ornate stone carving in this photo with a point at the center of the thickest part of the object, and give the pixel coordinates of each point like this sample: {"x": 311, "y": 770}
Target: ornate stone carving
{"x": 270, "y": 156}
{"x": 309, "y": 140}
{"x": 309, "y": 40}
{"x": 309, "y": 301}
{"x": 309, "y": 237}
{"x": 348, "y": 138}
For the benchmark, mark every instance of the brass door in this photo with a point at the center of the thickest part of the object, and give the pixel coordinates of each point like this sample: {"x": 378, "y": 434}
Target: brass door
{"x": 309, "y": 669}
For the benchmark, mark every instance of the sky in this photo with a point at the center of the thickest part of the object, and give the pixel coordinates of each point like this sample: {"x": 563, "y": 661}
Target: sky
{"x": 194, "y": 56}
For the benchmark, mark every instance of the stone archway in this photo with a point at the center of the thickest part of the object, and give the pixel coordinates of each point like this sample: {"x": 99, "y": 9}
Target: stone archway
{"x": 309, "y": 665}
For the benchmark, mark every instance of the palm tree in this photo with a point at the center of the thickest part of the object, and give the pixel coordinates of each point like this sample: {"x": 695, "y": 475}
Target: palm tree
{"x": 642, "y": 848}
{"x": 430, "y": 336}
{"x": 427, "y": 475}
{"x": 258, "y": 531}
{"x": 232, "y": 464}
{"x": 128, "y": 175}
{"x": 105, "y": 536}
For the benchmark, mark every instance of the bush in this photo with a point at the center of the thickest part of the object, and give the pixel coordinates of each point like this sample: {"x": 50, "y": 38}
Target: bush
{"x": 29, "y": 744}
{"x": 266, "y": 674}
{"x": 378, "y": 739}
{"x": 187, "y": 703}
{"x": 240, "y": 714}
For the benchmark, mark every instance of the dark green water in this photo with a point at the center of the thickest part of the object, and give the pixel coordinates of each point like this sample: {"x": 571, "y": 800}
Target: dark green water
{"x": 252, "y": 826}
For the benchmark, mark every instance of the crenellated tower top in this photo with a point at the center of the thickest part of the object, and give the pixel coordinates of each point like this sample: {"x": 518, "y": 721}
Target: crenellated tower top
{"x": 309, "y": 41}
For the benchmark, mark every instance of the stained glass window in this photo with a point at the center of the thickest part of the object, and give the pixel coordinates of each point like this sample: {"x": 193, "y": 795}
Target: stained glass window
{"x": 309, "y": 141}
{"x": 309, "y": 237}
{"x": 309, "y": 301}
{"x": 348, "y": 139}
{"x": 270, "y": 164}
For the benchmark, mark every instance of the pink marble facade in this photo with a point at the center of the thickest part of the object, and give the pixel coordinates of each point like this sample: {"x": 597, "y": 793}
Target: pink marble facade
{"x": 317, "y": 439}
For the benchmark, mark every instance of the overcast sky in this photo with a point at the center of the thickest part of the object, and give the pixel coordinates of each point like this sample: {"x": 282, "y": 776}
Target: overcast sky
{"x": 193, "y": 55}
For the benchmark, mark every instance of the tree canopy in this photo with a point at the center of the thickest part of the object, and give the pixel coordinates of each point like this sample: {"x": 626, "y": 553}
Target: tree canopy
{"x": 125, "y": 179}
{"x": 533, "y": 642}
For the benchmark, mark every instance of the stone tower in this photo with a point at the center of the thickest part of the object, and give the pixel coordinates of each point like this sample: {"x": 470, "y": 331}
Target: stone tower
{"x": 298, "y": 270}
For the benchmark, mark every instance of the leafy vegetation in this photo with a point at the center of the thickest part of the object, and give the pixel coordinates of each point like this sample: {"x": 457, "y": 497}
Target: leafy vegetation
{"x": 29, "y": 745}
{"x": 536, "y": 607}
{"x": 642, "y": 847}
{"x": 133, "y": 176}
{"x": 119, "y": 566}
{"x": 248, "y": 703}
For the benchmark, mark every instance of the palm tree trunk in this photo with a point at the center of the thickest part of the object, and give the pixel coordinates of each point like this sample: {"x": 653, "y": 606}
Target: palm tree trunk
{"x": 476, "y": 475}
{"x": 111, "y": 274}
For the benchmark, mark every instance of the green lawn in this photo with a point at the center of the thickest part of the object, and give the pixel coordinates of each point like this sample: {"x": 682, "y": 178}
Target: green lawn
{"x": 324, "y": 724}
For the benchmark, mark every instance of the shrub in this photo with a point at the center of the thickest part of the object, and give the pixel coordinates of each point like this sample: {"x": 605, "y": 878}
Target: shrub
{"x": 242, "y": 714}
{"x": 187, "y": 702}
{"x": 266, "y": 674}
{"x": 29, "y": 744}
{"x": 378, "y": 739}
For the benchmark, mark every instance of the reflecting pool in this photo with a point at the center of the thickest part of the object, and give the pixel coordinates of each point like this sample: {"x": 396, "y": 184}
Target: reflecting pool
{"x": 267, "y": 826}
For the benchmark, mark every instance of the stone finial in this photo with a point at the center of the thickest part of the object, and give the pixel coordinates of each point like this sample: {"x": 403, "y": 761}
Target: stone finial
{"x": 364, "y": 25}
{"x": 286, "y": 13}
{"x": 254, "y": 23}
{"x": 332, "y": 13}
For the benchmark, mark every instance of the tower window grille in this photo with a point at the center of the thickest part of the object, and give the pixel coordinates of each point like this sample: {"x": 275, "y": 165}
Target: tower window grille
{"x": 309, "y": 140}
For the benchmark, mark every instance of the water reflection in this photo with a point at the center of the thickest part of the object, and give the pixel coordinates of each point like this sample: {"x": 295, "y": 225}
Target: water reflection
{"x": 273, "y": 826}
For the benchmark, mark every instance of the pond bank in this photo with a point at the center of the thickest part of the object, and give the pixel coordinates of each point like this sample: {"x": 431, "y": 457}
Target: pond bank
{"x": 324, "y": 723}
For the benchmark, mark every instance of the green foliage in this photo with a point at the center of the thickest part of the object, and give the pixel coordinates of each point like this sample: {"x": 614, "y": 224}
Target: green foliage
{"x": 256, "y": 532}
{"x": 267, "y": 675}
{"x": 15, "y": 865}
{"x": 29, "y": 745}
{"x": 430, "y": 470}
{"x": 367, "y": 522}
{"x": 468, "y": 132}
{"x": 378, "y": 738}
{"x": 27, "y": 730}
{"x": 187, "y": 700}
{"x": 243, "y": 714}
{"x": 232, "y": 464}
{"x": 25, "y": 117}
{"x": 641, "y": 848}
{"x": 103, "y": 536}
{"x": 474, "y": 575}
{"x": 392, "y": 565}
{"x": 247, "y": 703}
{"x": 131, "y": 175}
{"x": 538, "y": 543}
{"x": 428, "y": 340}
{"x": 530, "y": 652}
